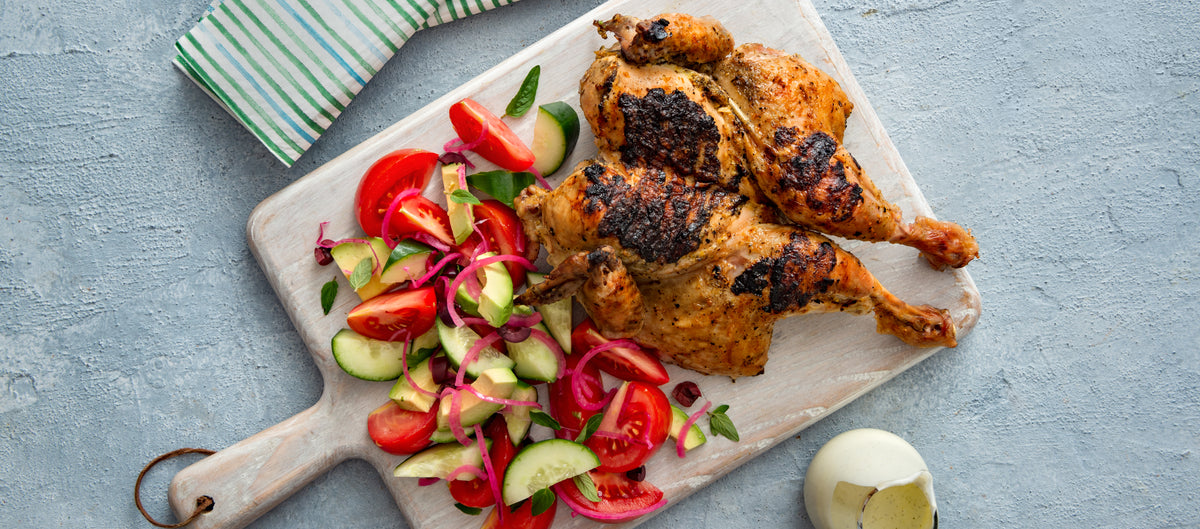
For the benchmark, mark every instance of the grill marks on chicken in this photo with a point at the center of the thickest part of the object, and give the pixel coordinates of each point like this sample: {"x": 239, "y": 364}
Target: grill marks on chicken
{"x": 674, "y": 236}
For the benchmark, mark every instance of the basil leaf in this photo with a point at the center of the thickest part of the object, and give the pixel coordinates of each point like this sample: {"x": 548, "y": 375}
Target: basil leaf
{"x": 542, "y": 501}
{"x": 523, "y": 101}
{"x": 721, "y": 424}
{"x": 473, "y": 511}
{"x": 587, "y": 487}
{"x": 501, "y": 185}
{"x": 362, "y": 273}
{"x": 540, "y": 417}
{"x": 328, "y": 294}
{"x": 462, "y": 196}
{"x": 720, "y": 409}
{"x": 589, "y": 428}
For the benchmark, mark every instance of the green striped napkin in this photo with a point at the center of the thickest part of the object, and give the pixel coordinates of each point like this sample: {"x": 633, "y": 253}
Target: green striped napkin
{"x": 287, "y": 68}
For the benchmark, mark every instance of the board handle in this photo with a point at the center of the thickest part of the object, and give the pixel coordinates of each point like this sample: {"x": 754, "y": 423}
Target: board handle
{"x": 251, "y": 477}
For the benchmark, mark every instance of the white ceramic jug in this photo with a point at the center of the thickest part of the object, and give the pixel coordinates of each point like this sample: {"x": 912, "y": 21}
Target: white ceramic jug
{"x": 869, "y": 479}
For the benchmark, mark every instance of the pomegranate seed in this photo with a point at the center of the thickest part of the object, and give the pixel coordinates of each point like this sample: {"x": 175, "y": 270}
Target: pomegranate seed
{"x": 686, "y": 393}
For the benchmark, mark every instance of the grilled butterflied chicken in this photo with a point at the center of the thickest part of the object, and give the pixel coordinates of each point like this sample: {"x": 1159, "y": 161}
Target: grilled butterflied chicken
{"x": 691, "y": 232}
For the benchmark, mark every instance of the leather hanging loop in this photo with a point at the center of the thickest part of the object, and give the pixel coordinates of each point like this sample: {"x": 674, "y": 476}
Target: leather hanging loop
{"x": 203, "y": 503}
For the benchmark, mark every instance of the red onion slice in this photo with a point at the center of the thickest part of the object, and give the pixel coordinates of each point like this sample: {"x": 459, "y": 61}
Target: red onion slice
{"x": 475, "y": 471}
{"x": 466, "y": 146}
{"x": 392, "y": 207}
{"x": 445, "y": 260}
{"x": 472, "y": 354}
{"x": 594, "y": 514}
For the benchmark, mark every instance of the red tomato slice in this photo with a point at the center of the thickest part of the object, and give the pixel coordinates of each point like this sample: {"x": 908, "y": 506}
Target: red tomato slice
{"x": 621, "y": 362}
{"x": 389, "y": 176}
{"x": 500, "y": 145}
{"x": 621, "y": 498}
{"x": 502, "y": 230}
{"x": 417, "y": 214}
{"x": 394, "y": 316}
{"x": 563, "y": 406}
{"x": 641, "y": 416}
{"x": 522, "y": 518}
{"x": 400, "y": 431}
{"x": 476, "y": 492}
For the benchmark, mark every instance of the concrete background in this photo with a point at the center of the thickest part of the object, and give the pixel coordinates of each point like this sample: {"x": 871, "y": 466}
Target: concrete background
{"x": 133, "y": 319}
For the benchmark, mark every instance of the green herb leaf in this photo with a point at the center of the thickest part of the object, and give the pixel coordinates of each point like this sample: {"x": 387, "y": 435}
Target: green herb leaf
{"x": 589, "y": 428}
{"x": 542, "y": 501}
{"x": 587, "y": 487}
{"x": 473, "y": 511}
{"x": 462, "y": 196}
{"x": 721, "y": 424}
{"x": 523, "y": 101}
{"x": 362, "y": 273}
{"x": 544, "y": 419}
{"x": 501, "y": 185}
{"x": 328, "y": 294}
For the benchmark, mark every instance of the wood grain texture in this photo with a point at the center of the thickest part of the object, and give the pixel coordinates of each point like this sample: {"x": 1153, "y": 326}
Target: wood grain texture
{"x": 818, "y": 362}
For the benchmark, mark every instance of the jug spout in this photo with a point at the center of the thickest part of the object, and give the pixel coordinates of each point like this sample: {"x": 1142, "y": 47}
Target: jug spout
{"x": 906, "y": 503}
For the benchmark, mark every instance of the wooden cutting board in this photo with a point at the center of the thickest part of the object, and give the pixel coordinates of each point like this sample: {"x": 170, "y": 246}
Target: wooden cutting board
{"x": 818, "y": 363}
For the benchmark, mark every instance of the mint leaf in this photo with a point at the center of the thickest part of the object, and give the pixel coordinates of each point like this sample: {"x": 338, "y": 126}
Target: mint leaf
{"x": 501, "y": 185}
{"x": 462, "y": 196}
{"x": 587, "y": 487}
{"x": 542, "y": 501}
{"x": 362, "y": 273}
{"x": 473, "y": 511}
{"x": 540, "y": 417}
{"x": 721, "y": 424}
{"x": 589, "y": 428}
{"x": 523, "y": 100}
{"x": 328, "y": 294}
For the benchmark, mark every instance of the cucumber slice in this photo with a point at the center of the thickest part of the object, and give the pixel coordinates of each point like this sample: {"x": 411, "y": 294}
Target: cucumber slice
{"x": 408, "y": 260}
{"x": 534, "y": 359}
{"x": 554, "y": 136}
{"x": 447, "y": 436}
{"x": 545, "y": 463}
{"x": 456, "y": 341}
{"x": 366, "y": 358}
{"x": 470, "y": 305}
{"x": 556, "y": 316}
{"x": 347, "y": 256}
{"x": 694, "y": 438}
{"x": 516, "y": 418}
{"x": 440, "y": 460}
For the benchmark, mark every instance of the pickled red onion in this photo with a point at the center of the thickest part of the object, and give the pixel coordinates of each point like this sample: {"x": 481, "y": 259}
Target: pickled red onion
{"x": 464, "y": 145}
{"x": 541, "y": 181}
{"x": 599, "y": 516}
{"x": 447, "y": 259}
{"x": 473, "y": 353}
{"x": 492, "y": 479}
{"x": 472, "y": 469}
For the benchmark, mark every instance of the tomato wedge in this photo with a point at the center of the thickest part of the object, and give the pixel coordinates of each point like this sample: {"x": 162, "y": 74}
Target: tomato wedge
{"x": 621, "y": 362}
{"x": 500, "y": 145}
{"x": 565, "y": 409}
{"x": 389, "y": 176}
{"x": 476, "y": 492}
{"x": 637, "y": 422}
{"x": 417, "y": 214}
{"x": 394, "y": 316}
{"x": 521, "y": 518}
{"x": 400, "y": 431}
{"x": 621, "y": 499}
{"x": 502, "y": 230}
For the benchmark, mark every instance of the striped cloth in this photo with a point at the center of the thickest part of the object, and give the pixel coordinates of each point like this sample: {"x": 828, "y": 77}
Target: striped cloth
{"x": 287, "y": 68}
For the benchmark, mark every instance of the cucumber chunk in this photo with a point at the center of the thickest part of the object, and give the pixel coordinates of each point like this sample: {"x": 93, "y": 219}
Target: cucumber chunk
{"x": 408, "y": 260}
{"x": 556, "y": 316}
{"x": 366, "y": 358}
{"x": 534, "y": 359}
{"x": 694, "y": 438}
{"x": 516, "y": 418}
{"x": 496, "y": 299}
{"x": 545, "y": 463}
{"x": 457, "y": 341}
{"x": 554, "y": 136}
{"x": 440, "y": 460}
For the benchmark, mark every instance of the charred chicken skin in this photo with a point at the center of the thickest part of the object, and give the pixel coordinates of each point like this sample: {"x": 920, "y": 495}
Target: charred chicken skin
{"x": 690, "y": 232}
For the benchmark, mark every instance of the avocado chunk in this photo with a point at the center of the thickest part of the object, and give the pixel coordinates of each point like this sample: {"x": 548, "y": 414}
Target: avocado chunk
{"x": 496, "y": 382}
{"x": 694, "y": 438}
{"x": 349, "y": 254}
{"x": 409, "y": 397}
{"x": 496, "y": 299}
{"x": 462, "y": 217}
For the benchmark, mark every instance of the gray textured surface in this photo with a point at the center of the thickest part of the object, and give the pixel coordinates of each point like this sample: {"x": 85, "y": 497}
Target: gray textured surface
{"x": 133, "y": 319}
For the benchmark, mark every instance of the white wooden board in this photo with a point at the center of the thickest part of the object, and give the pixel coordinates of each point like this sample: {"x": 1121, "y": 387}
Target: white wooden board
{"x": 818, "y": 363}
